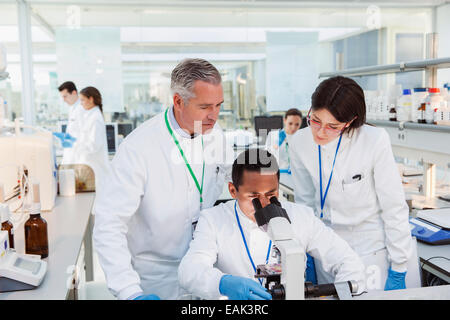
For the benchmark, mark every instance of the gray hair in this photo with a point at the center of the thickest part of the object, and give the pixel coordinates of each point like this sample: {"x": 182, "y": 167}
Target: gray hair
{"x": 187, "y": 72}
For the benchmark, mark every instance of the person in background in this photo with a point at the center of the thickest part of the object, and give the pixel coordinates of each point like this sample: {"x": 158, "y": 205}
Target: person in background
{"x": 163, "y": 174}
{"x": 69, "y": 93}
{"x": 228, "y": 244}
{"x": 277, "y": 141}
{"x": 346, "y": 171}
{"x": 91, "y": 145}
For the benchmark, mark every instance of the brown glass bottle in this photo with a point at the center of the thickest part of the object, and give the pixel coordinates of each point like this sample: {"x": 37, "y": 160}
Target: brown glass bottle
{"x": 36, "y": 235}
{"x": 5, "y": 215}
{"x": 8, "y": 226}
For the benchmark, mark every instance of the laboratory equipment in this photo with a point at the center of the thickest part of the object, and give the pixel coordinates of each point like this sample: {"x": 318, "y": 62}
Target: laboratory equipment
{"x": 84, "y": 176}
{"x": 432, "y": 226}
{"x": 36, "y": 235}
{"x": 274, "y": 220}
{"x": 31, "y": 149}
{"x": 19, "y": 271}
{"x": 285, "y": 280}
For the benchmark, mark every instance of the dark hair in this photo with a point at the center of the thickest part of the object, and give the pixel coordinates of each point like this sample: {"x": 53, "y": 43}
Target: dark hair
{"x": 255, "y": 160}
{"x": 293, "y": 112}
{"x": 69, "y": 86}
{"x": 89, "y": 92}
{"x": 343, "y": 98}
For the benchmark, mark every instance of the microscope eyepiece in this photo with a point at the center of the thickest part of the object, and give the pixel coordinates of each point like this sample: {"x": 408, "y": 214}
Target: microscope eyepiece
{"x": 275, "y": 201}
{"x": 256, "y": 204}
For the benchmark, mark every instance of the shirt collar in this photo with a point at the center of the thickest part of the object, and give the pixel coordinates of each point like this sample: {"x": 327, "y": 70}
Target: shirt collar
{"x": 243, "y": 217}
{"x": 176, "y": 127}
{"x": 332, "y": 145}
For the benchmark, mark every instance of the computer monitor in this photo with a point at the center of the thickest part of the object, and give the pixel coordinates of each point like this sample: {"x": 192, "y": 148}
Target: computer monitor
{"x": 111, "y": 137}
{"x": 265, "y": 124}
{"x": 124, "y": 128}
{"x": 63, "y": 126}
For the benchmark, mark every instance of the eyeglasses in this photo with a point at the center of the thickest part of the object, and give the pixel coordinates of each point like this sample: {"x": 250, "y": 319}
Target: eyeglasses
{"x": 317, "y": 125}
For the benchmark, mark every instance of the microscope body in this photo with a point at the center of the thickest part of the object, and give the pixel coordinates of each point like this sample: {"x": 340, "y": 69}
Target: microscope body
{"x": 289, "y": 284}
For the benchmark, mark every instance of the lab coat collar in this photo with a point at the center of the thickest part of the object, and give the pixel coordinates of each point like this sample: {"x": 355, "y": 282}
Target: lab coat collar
{"x": 90, "y": 111}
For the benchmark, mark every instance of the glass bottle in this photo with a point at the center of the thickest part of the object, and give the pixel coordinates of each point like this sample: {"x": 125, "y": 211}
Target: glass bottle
{"x": 392, "y": 114}
{"x": 6, "y": 224}
{"x": 5, "y": 216}
{"x": 36, "y": 236}
{"x": 421, "y": 113}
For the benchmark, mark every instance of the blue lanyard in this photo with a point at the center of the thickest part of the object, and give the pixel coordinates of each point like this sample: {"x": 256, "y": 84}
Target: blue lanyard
{"x": 245, "y": 243}
{"x": 322, "y": 196}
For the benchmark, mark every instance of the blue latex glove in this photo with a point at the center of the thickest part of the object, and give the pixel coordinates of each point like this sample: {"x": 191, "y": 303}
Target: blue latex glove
{"x": 310, "y": 270}
{"x": 66, "y": 139}
{"x": 147, "y": 297}
{"x": 67, "y": 144}
{"x": 59, "y": 135}
{"x": 239, "y": 288}
{"x": 395, "y": 280}
{"x": 69, "y": 137}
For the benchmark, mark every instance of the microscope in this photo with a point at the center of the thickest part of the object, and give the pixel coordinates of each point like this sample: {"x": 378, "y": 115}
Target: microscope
{"x": 286, "y": 279}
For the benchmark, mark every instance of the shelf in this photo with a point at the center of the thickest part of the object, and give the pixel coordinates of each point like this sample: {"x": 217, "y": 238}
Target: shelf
{"x": 4, "y": 75}
{"x": 391, "y": 68}
{"x": 410, "y": 125}
{"x": 427, "y": 142}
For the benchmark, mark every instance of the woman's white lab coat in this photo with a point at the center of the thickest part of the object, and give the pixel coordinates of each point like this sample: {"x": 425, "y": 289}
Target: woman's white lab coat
{"x": 73, "y": 128}
{"x": 91, "y": 145}
{"x": 280, "y": 151}
{"x": 147, "y": 210}
{"x": 218, "y": 248}
{"x": 371, "y": 214}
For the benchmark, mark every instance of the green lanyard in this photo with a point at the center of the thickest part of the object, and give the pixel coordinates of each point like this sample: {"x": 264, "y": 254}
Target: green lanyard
{"x": 200, "y": 188}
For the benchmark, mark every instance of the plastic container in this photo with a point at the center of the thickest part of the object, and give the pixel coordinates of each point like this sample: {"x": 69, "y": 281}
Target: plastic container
{"x": 404, "y": 106}
{"x": 418, "y": 97}
{"x": 433, "y": 103}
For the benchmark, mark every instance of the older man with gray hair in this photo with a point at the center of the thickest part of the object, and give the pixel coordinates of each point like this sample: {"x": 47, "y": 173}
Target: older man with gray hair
{"x": 163, "y": 174}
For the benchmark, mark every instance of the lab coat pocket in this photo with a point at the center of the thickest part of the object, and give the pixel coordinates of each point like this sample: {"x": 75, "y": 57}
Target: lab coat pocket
{"x": 359, "y": 194}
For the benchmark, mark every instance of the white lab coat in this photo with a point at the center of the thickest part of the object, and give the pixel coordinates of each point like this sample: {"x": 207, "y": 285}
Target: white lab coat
{"x": 218, "y": 249}
{"x": 281, "y": 152}
{"x": 370, "y": 214}
{"x": 91, "y": 145}
{"x": 73, "y": 128}
{"x": 150, "y": 204}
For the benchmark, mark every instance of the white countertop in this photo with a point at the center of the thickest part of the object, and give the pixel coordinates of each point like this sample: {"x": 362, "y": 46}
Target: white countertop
{"x": 66, "y": 224}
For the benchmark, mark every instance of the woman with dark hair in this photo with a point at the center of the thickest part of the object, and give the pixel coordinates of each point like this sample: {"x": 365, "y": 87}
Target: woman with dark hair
{"x": 277, "y": 141}
{"x": 91, "y": 146}
{"x": 346, "y": 171}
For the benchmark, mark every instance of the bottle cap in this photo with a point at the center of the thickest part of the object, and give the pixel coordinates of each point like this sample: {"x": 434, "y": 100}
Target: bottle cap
{"x": 406, "y": 91}
{"x": 434, "y": 90}
{"x": 420, "y": 89}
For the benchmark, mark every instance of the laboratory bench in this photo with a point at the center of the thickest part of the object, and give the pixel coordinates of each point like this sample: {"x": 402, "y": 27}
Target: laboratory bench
{"x": 69, "y": 226}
